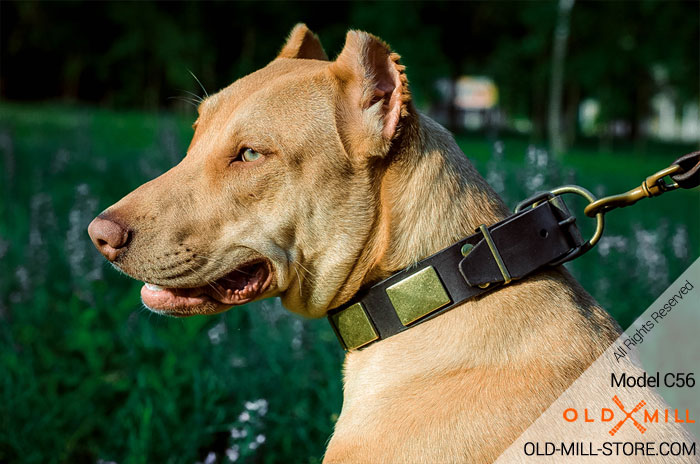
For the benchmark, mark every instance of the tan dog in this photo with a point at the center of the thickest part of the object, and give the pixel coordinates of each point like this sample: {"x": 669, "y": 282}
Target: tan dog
{"x": 310, "y": 179}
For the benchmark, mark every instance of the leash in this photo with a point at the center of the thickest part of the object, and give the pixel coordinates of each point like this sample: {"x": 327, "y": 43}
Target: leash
{"x": 540, "y": 234}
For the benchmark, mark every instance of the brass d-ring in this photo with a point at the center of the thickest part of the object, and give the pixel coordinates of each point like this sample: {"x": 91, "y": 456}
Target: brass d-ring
{"x": 600, "y": 221}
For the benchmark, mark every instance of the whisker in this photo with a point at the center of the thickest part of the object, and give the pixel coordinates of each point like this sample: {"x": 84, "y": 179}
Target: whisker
{"x": 299, "y": 279}
{"x": 183, "y": 98}
{"x": 211, "y": 259}
{"x": 208, "y": 283}
{"x": 306, "y": 269}
{"x": 219, "y": 261}
{"x": 197, "y": 98}
{"x": 186, "y": 100}
{"x": 237, "y": 270}
{"x": 200, "y": 84}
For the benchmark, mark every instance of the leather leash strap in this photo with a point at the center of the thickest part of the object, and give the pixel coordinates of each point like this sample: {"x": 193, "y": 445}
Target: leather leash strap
{"x": 689, "y": 177}
{"x": 508, "y": 250}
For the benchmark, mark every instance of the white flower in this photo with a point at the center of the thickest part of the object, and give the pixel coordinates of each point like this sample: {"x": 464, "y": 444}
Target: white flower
{"x": 217, "y": 333}
{"x": 259, "y": 405}
{"x": 232, "y": 453}
{"x": 236, "y": 433}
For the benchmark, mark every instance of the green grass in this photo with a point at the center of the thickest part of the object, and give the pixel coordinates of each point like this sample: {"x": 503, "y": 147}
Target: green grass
{"x": 87, "y": 374}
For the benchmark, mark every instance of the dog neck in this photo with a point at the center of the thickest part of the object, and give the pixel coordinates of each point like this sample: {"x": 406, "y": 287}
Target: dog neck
{"x": 430, "y": 196}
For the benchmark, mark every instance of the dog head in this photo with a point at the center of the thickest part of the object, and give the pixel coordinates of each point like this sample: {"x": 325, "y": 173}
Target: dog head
{"x": 278, "y": 192}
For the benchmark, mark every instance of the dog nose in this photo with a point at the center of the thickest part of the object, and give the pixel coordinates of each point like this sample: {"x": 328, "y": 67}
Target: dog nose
{"x": 108, "y": 236}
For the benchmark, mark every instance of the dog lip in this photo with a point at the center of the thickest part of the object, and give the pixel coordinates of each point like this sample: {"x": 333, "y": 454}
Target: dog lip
{"x": 242, "y": 285}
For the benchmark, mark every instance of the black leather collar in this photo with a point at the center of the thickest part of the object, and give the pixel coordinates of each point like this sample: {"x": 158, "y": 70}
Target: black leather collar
{"x": 511, "y": 249}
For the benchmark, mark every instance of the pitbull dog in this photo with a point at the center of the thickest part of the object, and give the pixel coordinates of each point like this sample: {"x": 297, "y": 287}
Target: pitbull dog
{"x": 310, "y": 180}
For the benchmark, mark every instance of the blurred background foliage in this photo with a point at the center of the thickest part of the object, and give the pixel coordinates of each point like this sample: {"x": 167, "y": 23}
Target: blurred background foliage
{"x": 136, "y": 55}
{"x": 87, "y": 114}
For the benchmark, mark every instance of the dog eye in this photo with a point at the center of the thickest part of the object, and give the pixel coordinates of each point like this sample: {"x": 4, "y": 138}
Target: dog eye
{"x": 248, "y": 154}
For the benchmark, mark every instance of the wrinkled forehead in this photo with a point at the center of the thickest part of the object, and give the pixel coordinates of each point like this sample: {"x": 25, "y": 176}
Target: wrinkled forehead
{"x": 284, "y": 88}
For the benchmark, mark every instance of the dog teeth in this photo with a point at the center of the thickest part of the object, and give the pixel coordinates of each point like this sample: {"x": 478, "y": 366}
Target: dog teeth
{"x": 153, "y": 287}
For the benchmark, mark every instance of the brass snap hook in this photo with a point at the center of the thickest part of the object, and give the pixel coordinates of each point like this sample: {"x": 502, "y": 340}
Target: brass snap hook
{"x": 652, "y": 186}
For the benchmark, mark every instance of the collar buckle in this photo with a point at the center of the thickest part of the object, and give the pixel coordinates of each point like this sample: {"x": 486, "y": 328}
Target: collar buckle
{"x": 567, "y": 220}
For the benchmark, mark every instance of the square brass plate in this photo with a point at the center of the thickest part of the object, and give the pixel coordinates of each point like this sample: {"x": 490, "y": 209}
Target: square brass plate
{"x": 354, "y": 327}
{"x": 418, "y": 295}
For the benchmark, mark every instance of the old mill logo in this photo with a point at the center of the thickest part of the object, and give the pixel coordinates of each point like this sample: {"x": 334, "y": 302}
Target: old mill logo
{"x": 633, "y": 416}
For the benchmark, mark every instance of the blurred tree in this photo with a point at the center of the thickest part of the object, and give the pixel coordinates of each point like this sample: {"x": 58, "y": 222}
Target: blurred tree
{"x": 615, "y": 46}
{"x": 126, "y": 54}
{"x": 520, "y": 62}
{"x": 556, "y": 80}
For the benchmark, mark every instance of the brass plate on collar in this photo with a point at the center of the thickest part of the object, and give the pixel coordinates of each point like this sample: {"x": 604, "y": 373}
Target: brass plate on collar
{"x": 418, "y": 295}
{"x": 354, "y": 327}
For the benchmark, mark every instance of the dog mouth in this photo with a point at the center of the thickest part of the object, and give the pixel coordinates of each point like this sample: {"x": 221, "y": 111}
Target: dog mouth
{"x": 242, "y": 285}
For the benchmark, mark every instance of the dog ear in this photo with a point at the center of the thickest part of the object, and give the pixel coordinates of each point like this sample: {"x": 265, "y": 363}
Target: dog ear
{"x": 302, "y": 43}
{"x": 376, "y": 88}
